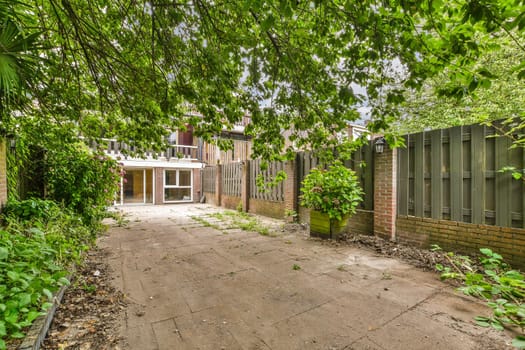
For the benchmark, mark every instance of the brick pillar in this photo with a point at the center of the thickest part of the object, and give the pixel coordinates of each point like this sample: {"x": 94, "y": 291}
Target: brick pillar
{"x": 290, "y": 188}
{"x": 385, "y": 193}
{"x": 3, "y": 173}
{"x": 197, "y": 190}
{"x": 158, "y": 173}
{"x": 218, "y": 184}
{"x": 245, "y": 186}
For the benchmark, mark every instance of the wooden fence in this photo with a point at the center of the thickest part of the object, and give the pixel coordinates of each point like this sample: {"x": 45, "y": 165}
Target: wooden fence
{"x": 453, "y": 174}
{"x": 232, "y": 179}
{"x": 208, "y": 179}
{"x": 362, "y": 162}
{"x": 270, "y": 193}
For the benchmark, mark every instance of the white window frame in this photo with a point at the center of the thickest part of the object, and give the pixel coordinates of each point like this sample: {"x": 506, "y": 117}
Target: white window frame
{"x": 165, "y": 186}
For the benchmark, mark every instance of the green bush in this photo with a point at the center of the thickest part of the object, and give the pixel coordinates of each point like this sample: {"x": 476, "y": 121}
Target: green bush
{"x": 82, "y": 180}
{"x": 335, "y": 191}
{"x": 33, "y": 209}
{"x": 39, "y": 242}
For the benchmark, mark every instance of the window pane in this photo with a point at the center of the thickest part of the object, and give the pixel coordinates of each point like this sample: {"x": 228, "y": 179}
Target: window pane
{"x": 171, "y": 177}
{"x": 134, "y": 186}
{"x": 184, "y": 178}
{"x": 177, "y": 194}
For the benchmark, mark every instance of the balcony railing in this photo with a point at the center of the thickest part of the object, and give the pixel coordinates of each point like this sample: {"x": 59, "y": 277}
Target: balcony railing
{"x": 121, "y": 150}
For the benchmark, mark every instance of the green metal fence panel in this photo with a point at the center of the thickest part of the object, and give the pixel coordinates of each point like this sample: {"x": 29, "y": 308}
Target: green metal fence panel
{"x": 478, "y": 174}
{"x": 455, "y": 174}
{"x": 503, "y": 182}
{"x": 419, "y": 200}
{"x": 403, "y": 178}
{"x": 436, "y": 178}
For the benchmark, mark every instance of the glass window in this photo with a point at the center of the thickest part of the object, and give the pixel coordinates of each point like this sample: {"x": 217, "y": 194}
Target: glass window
{"x": 134, "y": 186}
{"x": 184, "y": 178}
{"x": 177, "y": 194}
{"x": 171, "y": 177}
{"x": 177, "y": 185}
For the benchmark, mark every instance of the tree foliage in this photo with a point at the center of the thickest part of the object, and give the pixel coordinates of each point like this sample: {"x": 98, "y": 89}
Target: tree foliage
{"x": 131, "y": 69}
{"x": 501, "y": 98}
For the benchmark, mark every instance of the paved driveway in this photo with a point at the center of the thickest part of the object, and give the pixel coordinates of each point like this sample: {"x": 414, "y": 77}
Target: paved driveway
{"x": 197, "y": 283}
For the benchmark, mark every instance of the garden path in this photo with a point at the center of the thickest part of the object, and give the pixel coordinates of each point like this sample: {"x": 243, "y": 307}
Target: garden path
{"x": 194, "y": 282}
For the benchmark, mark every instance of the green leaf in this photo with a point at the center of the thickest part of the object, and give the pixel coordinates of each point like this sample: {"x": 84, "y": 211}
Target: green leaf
{"x": 519, "y": 342}
{"x": 63, "y": 281}
{"x": 4, "y": 253}
{"x": 46, "y": 306}
{"x": 24, "y": 299}
{"x": 32, "y": 315}
{"x": 47, "y": 293}
{"x": 486, "y": 251}
{"x": 14, "y": 276}
{"x": 482, "y": 321}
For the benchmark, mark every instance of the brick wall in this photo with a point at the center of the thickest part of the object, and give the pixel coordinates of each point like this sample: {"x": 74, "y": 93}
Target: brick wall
{"x": 267, "y": 208}
{"x": 361, "y": 223}
{"x": 230, "y": 202}
{"x": 210, "y": 198}
{"x": 463, "y": 237}
{"x": 3, "y": 173}
{"x": 385, "y": 199}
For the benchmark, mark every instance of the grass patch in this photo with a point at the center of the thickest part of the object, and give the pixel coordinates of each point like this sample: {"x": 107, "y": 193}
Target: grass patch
{"x": 205, "y": 222}
{"x": 235, "y": 220}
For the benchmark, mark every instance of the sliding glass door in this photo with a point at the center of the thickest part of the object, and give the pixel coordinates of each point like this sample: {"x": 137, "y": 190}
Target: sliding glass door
{"x": 137, "y": 187}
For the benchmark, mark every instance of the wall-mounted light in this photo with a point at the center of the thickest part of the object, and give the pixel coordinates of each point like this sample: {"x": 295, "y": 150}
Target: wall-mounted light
{"x": 379, "y": 144}
{"x": 11, "y": 140}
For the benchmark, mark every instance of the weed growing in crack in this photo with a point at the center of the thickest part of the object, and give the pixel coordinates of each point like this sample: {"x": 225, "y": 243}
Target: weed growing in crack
{"x": 241, "y": 220}
{"x": 204, "y": 222}
{"x": 496, "y": 282}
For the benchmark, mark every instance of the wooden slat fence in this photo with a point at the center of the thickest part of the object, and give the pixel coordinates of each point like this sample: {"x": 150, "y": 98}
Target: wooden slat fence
{"x": 208, "y": 179}
{"x": 231, "y": 179}
{"x": 452, "y": 174}
{"x": 362, "y": 162}
{"x": 272, "y": 193}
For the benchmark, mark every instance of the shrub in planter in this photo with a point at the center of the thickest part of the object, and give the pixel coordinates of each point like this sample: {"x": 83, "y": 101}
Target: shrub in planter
{"x": 333, "y": 194}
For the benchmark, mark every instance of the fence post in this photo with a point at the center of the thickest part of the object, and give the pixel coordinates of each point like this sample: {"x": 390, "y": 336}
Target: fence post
{"x": 218, "y": 184}
{"x": 245, "y": 186}
{"x": 385, "y": 193}
{"x": 290, "y": 188}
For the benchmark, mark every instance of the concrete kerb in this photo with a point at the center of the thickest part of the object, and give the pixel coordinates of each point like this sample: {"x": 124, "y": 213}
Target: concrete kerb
{"x": 38, "y": 330}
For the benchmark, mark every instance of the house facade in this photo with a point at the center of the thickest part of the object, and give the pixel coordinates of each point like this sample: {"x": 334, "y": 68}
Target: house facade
{"x": 171, "y": 176}
{"x": 241, "y": 146}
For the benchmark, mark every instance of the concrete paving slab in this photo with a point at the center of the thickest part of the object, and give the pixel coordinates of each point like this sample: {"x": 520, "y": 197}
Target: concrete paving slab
{"x": 423, "y": 332}
{"x": 192, "y": 286}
